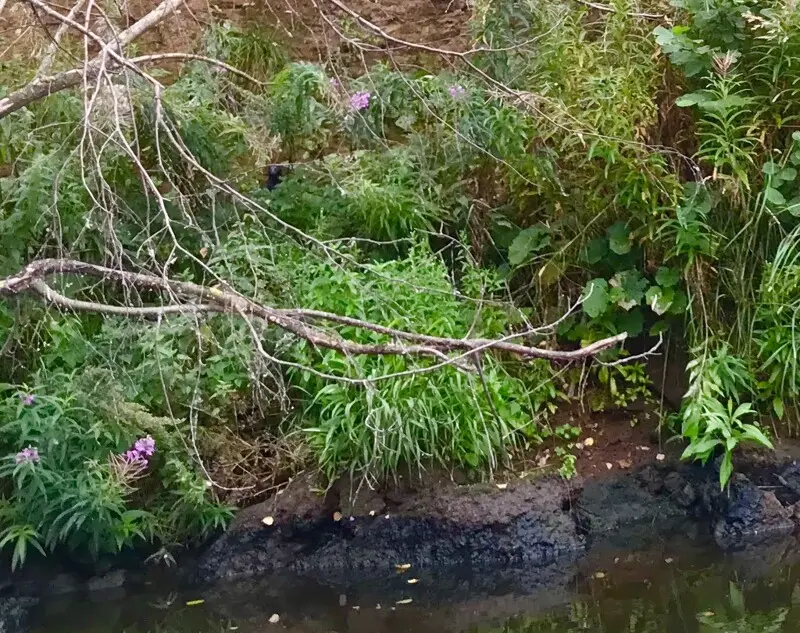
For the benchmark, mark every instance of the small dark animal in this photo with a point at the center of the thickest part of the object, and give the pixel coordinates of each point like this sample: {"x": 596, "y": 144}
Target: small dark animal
{"x": 275, "y": 174}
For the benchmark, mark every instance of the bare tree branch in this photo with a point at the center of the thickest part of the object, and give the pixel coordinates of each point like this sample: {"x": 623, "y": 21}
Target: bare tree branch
{"x": 202, "y": 299}
{"x": 42, "y": 86}
{"x": 50, "y": 54}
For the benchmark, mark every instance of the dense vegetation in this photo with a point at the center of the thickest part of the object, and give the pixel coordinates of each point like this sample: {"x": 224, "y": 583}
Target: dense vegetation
{"x": 646, "y": 165}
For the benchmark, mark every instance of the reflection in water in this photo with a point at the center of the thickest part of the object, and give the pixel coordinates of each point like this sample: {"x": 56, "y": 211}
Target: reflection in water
{"x": 660, "y": 591}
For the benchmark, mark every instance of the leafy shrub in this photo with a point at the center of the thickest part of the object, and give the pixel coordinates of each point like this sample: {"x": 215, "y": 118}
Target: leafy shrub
{"x": 67, "y": 480}
{"x": 443, "y": 416}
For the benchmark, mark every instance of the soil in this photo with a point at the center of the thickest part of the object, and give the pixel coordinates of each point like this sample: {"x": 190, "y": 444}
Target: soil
{"x": 304, "y": 27}
{"x": 631, "y": 489}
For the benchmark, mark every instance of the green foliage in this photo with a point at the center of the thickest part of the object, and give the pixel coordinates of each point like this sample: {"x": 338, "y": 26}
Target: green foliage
{"x": 432, "y": 201}
{"x": 418, "y": 416}
{"x": 79, "y": 493}
{"x": 717, "y": 377}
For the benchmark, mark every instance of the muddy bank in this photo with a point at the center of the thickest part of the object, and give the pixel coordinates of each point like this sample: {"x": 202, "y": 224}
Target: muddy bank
{"x": 522, "y": 523}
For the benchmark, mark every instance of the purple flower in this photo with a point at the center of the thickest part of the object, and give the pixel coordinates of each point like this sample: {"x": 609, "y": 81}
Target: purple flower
{"x": 28, "y": 455}
{"x": 145, "y": 446}
{"x": 360, "y": 100}
{"x": 133, "y": 457}
{"x": 335, "y": 83}
{"x": 456, "y": 91}
{"x": 28, "y": 399}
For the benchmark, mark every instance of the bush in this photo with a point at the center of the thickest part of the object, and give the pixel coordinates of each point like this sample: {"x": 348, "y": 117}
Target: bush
{"x": 86, "y": 470}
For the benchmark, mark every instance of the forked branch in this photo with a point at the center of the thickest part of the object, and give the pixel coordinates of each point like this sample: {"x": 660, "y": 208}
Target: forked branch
{"x": 190, "y": 298}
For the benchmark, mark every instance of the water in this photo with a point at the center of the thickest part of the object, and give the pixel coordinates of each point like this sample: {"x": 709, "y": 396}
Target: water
{"x": 670, "y": 588}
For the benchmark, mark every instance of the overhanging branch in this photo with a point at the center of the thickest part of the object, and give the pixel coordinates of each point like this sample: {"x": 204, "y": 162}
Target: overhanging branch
{"x": 190, "y": 298}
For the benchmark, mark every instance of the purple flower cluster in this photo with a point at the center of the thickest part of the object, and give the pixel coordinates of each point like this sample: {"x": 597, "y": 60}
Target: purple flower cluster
{"x": 456, "y": 91}
{"x": 28, "y": 455}
{"x": 360, "y": 100}
{"x": 141, "y": 452}
{"x": 27, "y": 399}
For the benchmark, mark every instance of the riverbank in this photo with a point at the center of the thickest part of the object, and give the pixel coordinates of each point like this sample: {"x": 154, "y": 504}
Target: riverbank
{"x": 631, "y": 491}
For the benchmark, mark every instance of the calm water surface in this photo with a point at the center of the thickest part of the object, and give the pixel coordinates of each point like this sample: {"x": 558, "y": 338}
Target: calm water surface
{"x": 669, "y": 588}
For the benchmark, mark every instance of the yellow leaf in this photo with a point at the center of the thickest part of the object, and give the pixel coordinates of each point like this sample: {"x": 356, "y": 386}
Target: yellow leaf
{"x": 268, "y": 520}
{"x": 337, "y": 516}
{"x": 402, "y": 566}
{"x": 274, "y": 618}
{"x": 589, "y": 441}
{"x": 599, "y": 574}
{"x": 404, "y": 601}
{"x": 194, "y": 603}
{"x": 412, "y": 581}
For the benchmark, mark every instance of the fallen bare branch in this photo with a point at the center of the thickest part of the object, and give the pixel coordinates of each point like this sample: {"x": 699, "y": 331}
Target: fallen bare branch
{"x": 42, "y": 87}
{"x": 202, "y": 299}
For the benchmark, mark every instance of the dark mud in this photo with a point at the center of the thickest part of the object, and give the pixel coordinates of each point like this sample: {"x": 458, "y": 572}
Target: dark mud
{"x": 520, "y": 524}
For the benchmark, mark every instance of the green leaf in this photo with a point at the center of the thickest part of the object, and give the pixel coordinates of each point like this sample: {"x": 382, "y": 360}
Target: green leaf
{"x": 667, "y": 277}
{"x": 777, "y": 406}
{"x": 770, "y": 168}
{"x": 659, "y": 299}
{"x": 528, "y": 241}
{"x": 796, "y": 136}
{"x": 628, "y": 288}
{"x": 725, "y": 469}
{"x": 596, "y": 250}
{"x": 631, "y": 322}
{"x": 619, "y": 238}
{"x": 692, "y": 99}
{"x": 595, "y": 297}
{"x": 774, "y": 196}
{"x": 755, "y": 434}
{"x": 701, "y": 448}
{"x": 787, "y": 174}
{"x": 680, "y": 302}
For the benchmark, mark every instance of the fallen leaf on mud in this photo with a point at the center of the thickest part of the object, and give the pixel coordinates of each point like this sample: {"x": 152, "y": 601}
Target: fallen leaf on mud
{"x": 412, "y": 581}
{"x": 502, "y": 486}
{"x": 579, "y": 445}
{"x": 356, "y": 608}
{"x": 661, "y": 457}
{"x": 609, "y": 465}
{"x": 377, "y": 606}
{"x": 404, "y": 601}
{"x": 599, "y": 574}
{"x": 268, "y": 520}
{"x": 402, "y": 566}
{"x": 386, "y": 517}
{"x": 589, "y": 441}
{"x": 273, "y": 619}
{"x": 643, "y": 448}
{"x": 667, "y": 560}
{"x": 707, "y": 614}
{"x": 193, "y": 603}
{"x": 624, "y": 463}
{"x": 337, "y": 516}
{"x": 372, "y": 513}
{"x": 542, "y": 461}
